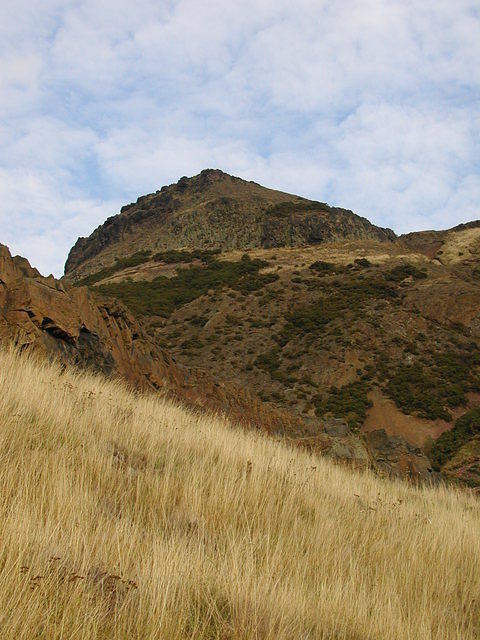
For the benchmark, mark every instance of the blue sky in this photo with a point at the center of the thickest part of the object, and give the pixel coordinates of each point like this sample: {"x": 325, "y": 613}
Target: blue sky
{"x": 368, "y": 104}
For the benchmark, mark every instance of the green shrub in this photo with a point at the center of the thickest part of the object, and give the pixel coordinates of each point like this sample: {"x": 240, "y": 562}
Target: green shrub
{"x": 413, "y": 389}
{"x": 402, "y": 271}
{"x": 163, "y": 295}
{"x": 173, "y": 256}
{"x": 441, "y": 383}
{"x": 340, "y": 297}
{"x": 350, "y": 402}
{"x": 363, "y": 262}
{"x": 451, "y": 441}
{"x": 323, "y": 268}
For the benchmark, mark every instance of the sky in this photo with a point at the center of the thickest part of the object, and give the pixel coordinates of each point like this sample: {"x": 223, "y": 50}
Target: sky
{"x": 373, "y": 105}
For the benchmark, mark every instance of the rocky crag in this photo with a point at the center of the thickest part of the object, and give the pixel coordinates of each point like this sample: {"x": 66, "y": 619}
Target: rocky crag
{"x": 216, "y": 211}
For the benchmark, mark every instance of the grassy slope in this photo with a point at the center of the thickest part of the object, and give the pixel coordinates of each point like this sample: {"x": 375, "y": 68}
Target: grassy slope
{"x": 127, "y": 517}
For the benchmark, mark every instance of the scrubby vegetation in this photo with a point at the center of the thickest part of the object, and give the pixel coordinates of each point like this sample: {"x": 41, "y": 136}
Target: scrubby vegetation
{"x": 322, "y": 267}
{"x": 350, "y": 402}
{"x": 363, "y": 263}
{"x": 174, "y": 256}
{"x": 339, "y": 298}
{"x": 431, "y": 390}
{"x": 171, "y": 256}
{"x": 412, "y": 387}
{"x": 403, "y": 271}
{"x": 120, "y": 263}
{"x": 329, "y": 268}
{"x": 334, "y": 316}
{"x": 163, "y": 295}
{"x": 126, "y": 516}
{"x": 269, "y": 361}
{"x": 447, "y": 445}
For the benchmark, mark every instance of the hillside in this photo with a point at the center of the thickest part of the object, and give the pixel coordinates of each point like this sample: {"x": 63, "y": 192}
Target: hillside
{"x": 377, "y": 332}
{"x": 215, "y": 211}
{"x": 126, "y": 516}
{"x": 83, "y": 327}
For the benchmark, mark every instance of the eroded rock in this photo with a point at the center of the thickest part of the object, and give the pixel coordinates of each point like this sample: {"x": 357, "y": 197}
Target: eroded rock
{"x": 395, "y": 457}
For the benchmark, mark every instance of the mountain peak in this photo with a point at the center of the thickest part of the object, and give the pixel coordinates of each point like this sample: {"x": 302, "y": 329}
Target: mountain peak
{"x": 214, "y": 210}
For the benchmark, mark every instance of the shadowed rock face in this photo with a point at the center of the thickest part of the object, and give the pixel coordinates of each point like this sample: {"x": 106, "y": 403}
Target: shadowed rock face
{"x": 214, "y": 210}
{"x": 390, "y": 456}
{"x": 395, "y": 457}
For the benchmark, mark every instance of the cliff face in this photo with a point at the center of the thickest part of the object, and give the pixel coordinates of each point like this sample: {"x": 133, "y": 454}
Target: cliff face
{"x": 214, "y": 210}
{"x": 78, "y": 326}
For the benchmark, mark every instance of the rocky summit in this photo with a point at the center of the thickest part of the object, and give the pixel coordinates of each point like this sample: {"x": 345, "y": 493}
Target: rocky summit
{"x": 216, "y": 211}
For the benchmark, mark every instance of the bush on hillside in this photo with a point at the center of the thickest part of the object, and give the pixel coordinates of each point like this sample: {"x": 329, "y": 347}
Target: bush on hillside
{"x": 451, "y": 441}
{"x": 163, "y": 295}
{"x": 403, "y": 271}
{"x": 350, "y": 402}
{"x": 441, "y": 383}
{"x": 322, "y": 267}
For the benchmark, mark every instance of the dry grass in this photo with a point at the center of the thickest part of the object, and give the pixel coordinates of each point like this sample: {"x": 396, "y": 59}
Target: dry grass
{"x": 126, "y": 517}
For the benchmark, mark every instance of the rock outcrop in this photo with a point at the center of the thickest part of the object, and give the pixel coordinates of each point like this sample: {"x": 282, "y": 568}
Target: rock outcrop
{"x": 395, "y": 457}
{"x": 214, "y": 210}
{"x": 77, "y": 326}
{"x": 390, "y": 456}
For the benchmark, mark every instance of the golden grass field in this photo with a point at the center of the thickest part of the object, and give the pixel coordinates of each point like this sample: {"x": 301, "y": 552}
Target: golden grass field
{"x": 127, "y": 517}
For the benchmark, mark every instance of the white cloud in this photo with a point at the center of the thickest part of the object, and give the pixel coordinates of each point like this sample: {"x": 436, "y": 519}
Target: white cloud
{"x": 370, "y": 105}
{"x": 44, "y": 226}
{"x": 19, "y": 90}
